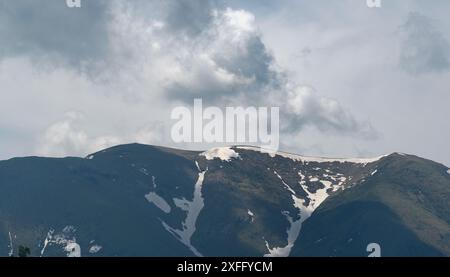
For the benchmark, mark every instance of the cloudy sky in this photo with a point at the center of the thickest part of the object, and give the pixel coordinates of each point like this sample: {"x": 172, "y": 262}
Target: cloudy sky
{"x": 349, "y": 80}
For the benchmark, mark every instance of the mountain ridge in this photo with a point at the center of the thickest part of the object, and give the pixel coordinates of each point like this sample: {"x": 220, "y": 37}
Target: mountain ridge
{"x": 230, "y": 201}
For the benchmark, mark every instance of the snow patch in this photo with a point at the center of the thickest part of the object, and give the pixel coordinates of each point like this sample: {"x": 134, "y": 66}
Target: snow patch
{"x": 293, "y": 232}
{"x": 305, "y": 211}
{"x": 328, "y": 184}
{"x": 158, "y": 201}
{"x": 64, "y": 239}
{"x": 342, "y": 181}
{"x": 448, "y": 171}
{"x": 144, "y": 171}
{"x": 47, "y": 240}
{"x": 10, "y": 246}
{"x": 294, "y": 228}
{"x": 318, "y": 197}
{"x": 251, "y": 214}
{"x": 73, "y": 250}
{"x": 284, "y": 183}
{"x": 374, "y": 172}
{"x": 222, "y": 153}
{"x": 69, "y": 229}
{"x": 302, "y": 178}
{"x": 182, "y": 204}
{"x": 193, "y": 209}
{"x": 308, "y": 159}
{"x": 95, "y": 249}
{"x": 154, "y": 181}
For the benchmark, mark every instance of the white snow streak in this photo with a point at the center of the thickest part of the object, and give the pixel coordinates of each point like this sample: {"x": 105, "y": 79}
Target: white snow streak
{"x": 46, "y": 241}
{"x": 292, "y": 232}
{"x": 193, "y": 209}
{"x": 144, "y": 171}
{"x": 154, "y": 182}
{"x": 305, "y": 211}
{"x": 284, "y": 183}
{"x": 251, "y": 214}
{"x": 158, "y": 201}
{"x": 294, "y": 227}
{"x": 10, "y": 246}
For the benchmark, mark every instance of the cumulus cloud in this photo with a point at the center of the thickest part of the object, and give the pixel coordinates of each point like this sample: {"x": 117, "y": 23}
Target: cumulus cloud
{"x": 305, "y": 108}
{"x": 62, "y": 138}
{"x": 231, "y": 64}
{"x": 67, "y": 137}
{"x": 145, "y": 62}
{"x": 424, "y": 48}
{"x": 226, "y": 60}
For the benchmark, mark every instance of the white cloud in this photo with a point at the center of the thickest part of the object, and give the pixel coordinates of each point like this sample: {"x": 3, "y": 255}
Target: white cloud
{"x": 62, "y": 138}
{"x": 67, "y": 137}
{"x": 306, "y": 108}
{"x": 148, "y": 64}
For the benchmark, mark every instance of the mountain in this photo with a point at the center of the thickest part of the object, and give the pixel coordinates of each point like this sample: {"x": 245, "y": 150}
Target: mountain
{"x": 140, "y": 200}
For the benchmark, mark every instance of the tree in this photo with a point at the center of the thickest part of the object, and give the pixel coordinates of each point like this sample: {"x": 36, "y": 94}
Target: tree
{"x": 24, "y": 251}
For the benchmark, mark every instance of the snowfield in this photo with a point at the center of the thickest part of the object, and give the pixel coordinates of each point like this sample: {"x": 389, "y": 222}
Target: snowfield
{"x": 306, "y": 159}
{"x": 65, "y": 239}
{"x": 193, "y": 209}
{"x": 222, "y": 153}
{"x": 158, "y": 201}
{"x": 305, "y": 207}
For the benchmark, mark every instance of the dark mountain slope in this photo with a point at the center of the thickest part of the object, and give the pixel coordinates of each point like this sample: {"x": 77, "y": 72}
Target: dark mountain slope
{"x": 93, "y": 202}
{"x": 139, "y": 200}
{"x": 404, "y": 207}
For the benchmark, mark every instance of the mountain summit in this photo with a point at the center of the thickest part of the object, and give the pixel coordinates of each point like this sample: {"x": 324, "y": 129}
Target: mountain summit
{"x": 141, "y": 200}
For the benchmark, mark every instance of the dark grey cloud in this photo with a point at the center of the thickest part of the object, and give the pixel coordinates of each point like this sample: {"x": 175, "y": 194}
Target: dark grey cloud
{"x": 424, "y": 48}
{"x": 158, "y": 52}
{"x": 228, "y": 59}
{"x": 52, "y": 30}
{"x": 239, "y": 69}
{"x": 253, "y": 62}
{"x": 189, "y": 17}
{"x": 244, "y": 72}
